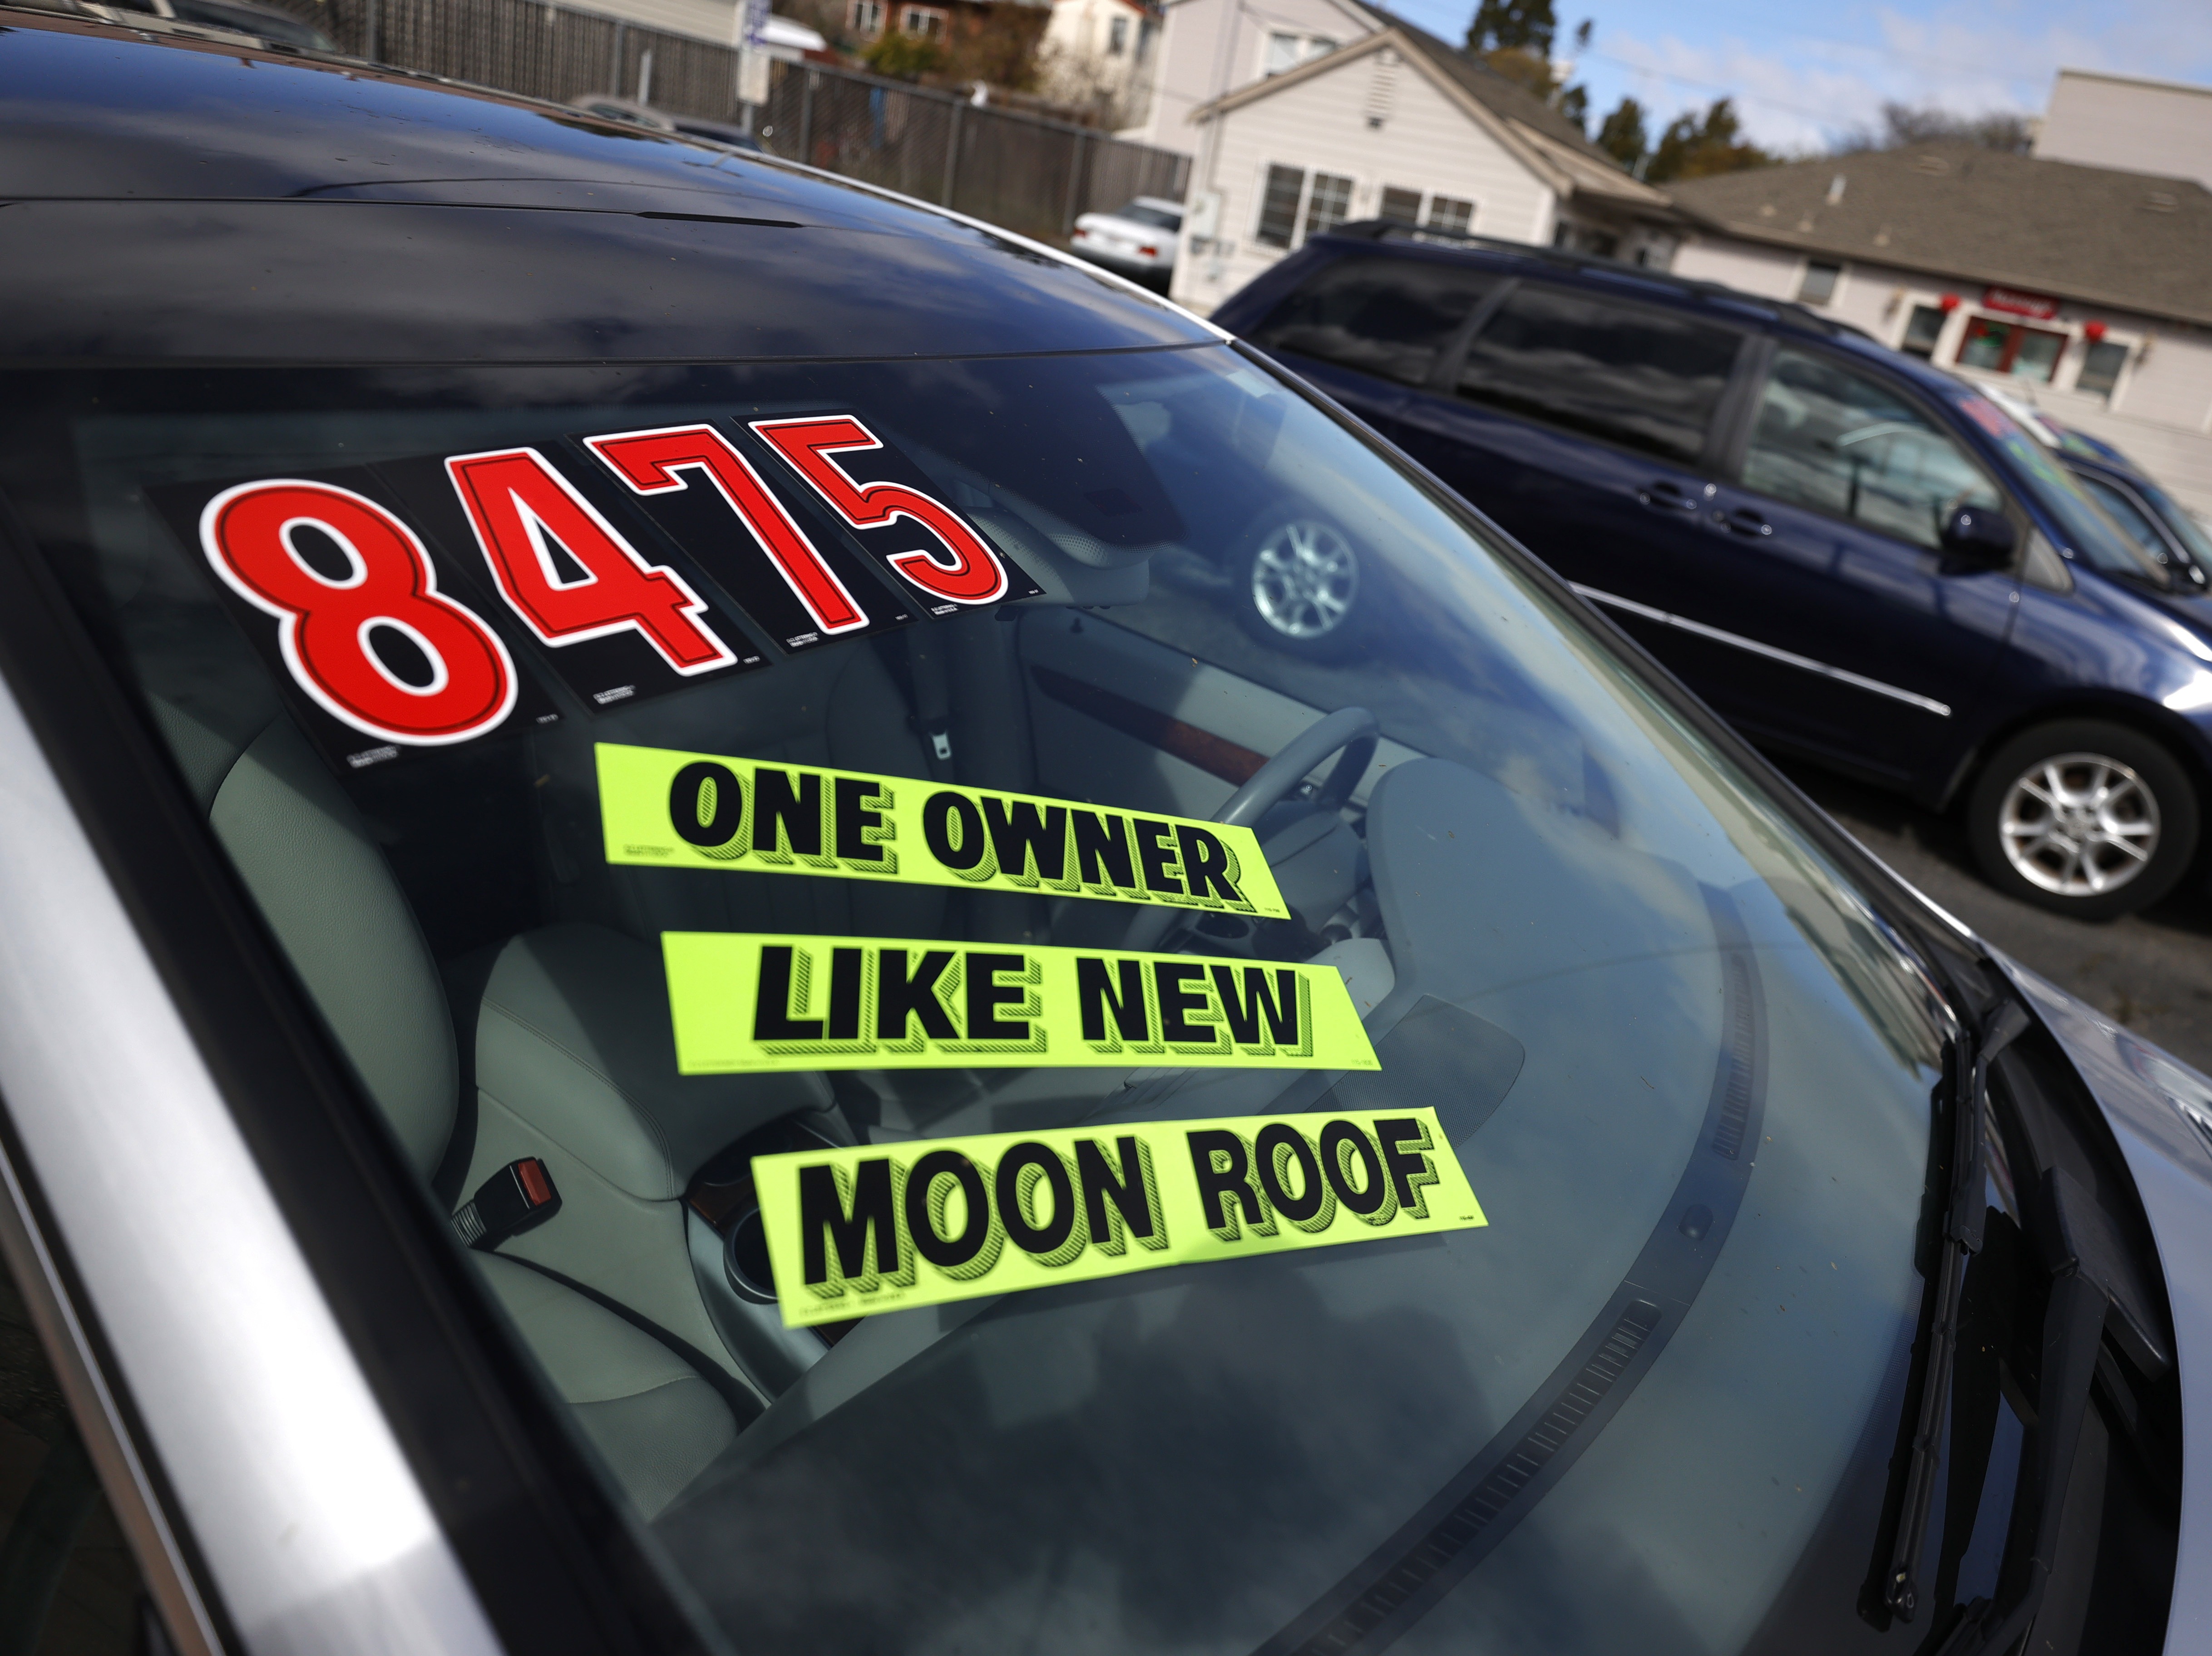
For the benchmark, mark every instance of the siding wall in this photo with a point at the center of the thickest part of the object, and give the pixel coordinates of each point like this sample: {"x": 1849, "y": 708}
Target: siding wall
{"x": 1195, "y": 65}
{"x": 708, "y": 20}
{"x": 1426, "y": 142}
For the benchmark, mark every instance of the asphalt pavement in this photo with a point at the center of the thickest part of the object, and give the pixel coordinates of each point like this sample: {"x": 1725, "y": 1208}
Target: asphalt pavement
{"x": 2152, "y": 972}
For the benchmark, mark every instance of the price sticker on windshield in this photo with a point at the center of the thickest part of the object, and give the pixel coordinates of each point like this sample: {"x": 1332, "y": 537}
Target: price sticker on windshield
{"x": 741, "y": 1001}
{"x": 852, "y": 1232}
{"x": 664, "y": 809}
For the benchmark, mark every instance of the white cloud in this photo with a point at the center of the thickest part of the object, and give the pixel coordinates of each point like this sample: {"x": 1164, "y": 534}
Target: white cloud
{"x": 1797, "y": 92}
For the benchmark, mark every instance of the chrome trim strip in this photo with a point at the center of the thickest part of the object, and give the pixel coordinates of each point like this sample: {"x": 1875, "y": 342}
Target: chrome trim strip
{"x": 296, "y": 1492}
{"x": 1739, "y": 641}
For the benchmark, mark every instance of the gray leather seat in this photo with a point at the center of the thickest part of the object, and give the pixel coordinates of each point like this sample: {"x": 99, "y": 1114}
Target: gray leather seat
{"x": 575, "y": 1065}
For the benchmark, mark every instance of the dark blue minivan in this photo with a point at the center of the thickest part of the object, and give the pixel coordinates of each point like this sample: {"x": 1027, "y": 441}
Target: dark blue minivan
{"x": 1855, "y": 557}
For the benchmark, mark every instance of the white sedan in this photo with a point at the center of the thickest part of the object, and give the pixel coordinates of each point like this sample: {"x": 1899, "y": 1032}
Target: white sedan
{"x": 1138, "y": 241}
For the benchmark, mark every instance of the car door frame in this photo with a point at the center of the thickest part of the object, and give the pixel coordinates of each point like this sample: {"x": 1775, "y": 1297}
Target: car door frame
{"x": 547, "y": 1557}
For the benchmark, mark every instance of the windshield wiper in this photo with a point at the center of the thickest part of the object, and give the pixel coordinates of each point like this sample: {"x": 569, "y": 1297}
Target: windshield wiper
{"x": 1964, "y": 1213}
{"x": 2095, "y": 1288}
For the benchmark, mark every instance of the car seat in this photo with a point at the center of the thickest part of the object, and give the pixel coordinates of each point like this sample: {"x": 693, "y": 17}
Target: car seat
{"x": 574, "y": 1065}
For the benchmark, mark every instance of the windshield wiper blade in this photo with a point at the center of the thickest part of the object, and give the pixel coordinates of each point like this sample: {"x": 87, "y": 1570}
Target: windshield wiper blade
{"x": 1964, "y": 1213}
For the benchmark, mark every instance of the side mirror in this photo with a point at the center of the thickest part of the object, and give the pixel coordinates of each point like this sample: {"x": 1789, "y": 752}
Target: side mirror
{"x": 1979, "y": 535}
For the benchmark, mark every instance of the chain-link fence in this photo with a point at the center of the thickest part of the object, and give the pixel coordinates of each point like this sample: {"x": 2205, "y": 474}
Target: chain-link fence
{"x": 1030, "y": 175}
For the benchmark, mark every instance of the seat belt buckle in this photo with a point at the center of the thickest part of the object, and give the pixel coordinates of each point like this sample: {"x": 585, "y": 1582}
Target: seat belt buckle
{"x": 517, "y": 1197}
{"x": 940, "y": 743}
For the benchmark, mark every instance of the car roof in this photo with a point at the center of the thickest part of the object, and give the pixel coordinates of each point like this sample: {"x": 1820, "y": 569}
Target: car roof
{"x": 1558, "y": 263}
{"x": 170, "y": 200}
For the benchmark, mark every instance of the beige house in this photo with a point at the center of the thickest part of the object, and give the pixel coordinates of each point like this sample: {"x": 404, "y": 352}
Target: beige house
{"x": 1208, "y": 48}
{"x": 2132, "y": 124}
{"x": 1097, "y": 54}
{"x": 1398, "y": 125}
{"x": 2084, "y": 290}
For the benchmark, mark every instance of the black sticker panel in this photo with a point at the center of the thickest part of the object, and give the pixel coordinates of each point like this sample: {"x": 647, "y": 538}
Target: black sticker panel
{"x": 776, "y": 554}
{"x": 665, "y": 628}
{"x": 382, "y": 646}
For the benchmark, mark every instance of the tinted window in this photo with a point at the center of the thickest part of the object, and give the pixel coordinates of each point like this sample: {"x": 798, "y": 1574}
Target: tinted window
{"x": 1137, "y": 213}
{"x": 1386, "y": 316}
{"x": 1638, "y": 376}
{"x": 1845, "y": 444}
{"x": 2122, "y": 508}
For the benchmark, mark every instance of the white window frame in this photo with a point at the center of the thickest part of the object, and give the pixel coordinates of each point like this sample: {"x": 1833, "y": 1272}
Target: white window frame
{"x": 1300, "y": 226}
{"x": 925, "y": 16}
{"x": 1427, "y": 209}
{"x": 866, "y": 17}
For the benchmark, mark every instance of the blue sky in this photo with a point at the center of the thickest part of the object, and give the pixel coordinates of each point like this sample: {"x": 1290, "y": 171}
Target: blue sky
{"x": 1803, "y": 75}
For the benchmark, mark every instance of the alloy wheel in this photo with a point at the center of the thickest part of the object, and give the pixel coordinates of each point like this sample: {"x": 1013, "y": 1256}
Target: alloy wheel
{"x": 2079, "y": 824}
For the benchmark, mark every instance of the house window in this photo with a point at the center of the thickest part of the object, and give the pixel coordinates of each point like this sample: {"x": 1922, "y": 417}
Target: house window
{"x": 864, "y": 17}
{"x": 2011, "y": 347}
{"x": 1288, "y": 51}
{"x": 1117, "y": 37}
{"x": 1329, "y": 204}
{"x": 1293, "y": 207}
{"x": 1415, "y": 207}
{"x": 2100, "y": 369}
{"x": 1819, "y": 286}
{"x": 923, "y": 23}
{"x": 1278, "y": 207}
{"x": 1921, "y": 330}
{"x": 1445, "y": 213}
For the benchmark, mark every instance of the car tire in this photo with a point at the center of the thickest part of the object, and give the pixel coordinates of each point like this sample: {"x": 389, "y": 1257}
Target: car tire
{"x": 2083, "y": 817}
{"x": 1296, "y": 583}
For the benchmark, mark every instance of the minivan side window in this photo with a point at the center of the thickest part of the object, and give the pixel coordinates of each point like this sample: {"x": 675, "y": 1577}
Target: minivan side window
{"x": 1844, "y": 444}
{"x": 1648, "y": 380}
{"x": 1382, "y": 316}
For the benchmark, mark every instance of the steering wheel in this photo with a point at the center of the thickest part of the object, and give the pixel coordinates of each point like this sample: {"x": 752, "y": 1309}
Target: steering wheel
{"x": 1353, "y": 731}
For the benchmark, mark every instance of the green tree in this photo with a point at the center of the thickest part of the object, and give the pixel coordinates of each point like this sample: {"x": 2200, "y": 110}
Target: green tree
{"x": 1525, "y": 26}
{"x": 1698, "y": 147}
{"x": 1623, "y": 136}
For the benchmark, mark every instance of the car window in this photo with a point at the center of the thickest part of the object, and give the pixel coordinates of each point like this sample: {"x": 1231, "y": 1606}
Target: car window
{"x": 1641, "y": 377}
{"x": 755, "y": 831}
{"x": 2179, "y": 519}
{"x": 1137, "y": 213}
{"x": 1387, "y": 317}
{"x": 2129, "y": 514}
{"x": 1845, "y": 444}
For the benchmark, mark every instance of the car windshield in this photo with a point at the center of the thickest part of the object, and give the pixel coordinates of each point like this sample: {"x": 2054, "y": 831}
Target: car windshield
{"x": 831, "y": 710}
{"x": 2088, "y": 533}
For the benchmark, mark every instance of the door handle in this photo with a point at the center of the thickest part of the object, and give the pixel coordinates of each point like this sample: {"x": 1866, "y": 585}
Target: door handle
{"x": 1666, "y": 496}
{"x": 1742, "y": 520}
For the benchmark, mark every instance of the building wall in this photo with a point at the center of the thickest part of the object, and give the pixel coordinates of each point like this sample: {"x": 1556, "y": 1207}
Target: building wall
{"x": 1426, "y": 142}
{"x": 708, "y": 20}
{"x": 1209, "y": 48}
{"x": 1076, "y": 53}
{"x": 2133, "y": 125}
{"x": 2159, "y": 411}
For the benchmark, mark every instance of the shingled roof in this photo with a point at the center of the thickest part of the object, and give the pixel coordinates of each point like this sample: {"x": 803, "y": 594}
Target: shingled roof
{"x": 2087, "y": 233}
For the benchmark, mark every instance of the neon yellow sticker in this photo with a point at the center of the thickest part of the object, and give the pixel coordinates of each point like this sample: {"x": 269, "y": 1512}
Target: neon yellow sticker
{"x": 888, "y": 1227}
{"x": 741, "y": 1001}
{"x": 664, "y": 809}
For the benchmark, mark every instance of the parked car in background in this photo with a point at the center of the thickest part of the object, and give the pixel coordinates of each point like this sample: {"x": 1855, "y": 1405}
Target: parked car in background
{"x": 1138, "y": 241}
{"x": 2143, "y": 508}
{"x": 1853, "y": 556}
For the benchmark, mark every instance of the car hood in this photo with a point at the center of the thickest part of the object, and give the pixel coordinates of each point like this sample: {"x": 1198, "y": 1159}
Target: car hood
{"x": 2161, "y": 1111}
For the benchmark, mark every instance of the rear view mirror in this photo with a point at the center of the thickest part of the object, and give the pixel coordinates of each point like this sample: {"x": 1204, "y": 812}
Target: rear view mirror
{"x": 1979, "y": 535}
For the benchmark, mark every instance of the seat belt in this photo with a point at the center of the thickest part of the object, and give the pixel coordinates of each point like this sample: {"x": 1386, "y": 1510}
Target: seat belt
{"x": 932, "y": 699}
